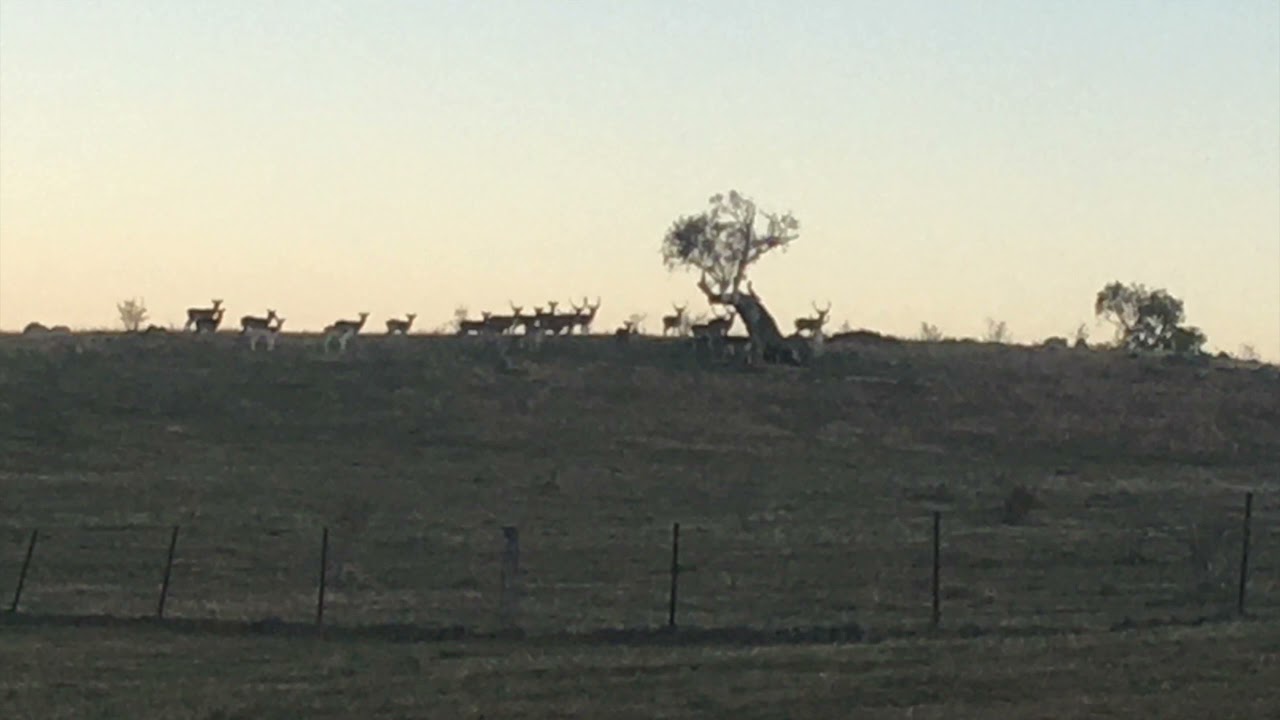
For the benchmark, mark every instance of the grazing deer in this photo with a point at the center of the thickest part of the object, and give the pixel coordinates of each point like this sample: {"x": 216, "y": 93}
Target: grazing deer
{"x": 195, "y": 315}
{"x": 267, "y": 334}
{"x": 813, "y": 325}
{"x": 396, "y": 325}
{"x": 343, "y": 331}
{"x": 585, "y": 315}
{"x": 674, "y": 323}
{"x": 249, "y": 322}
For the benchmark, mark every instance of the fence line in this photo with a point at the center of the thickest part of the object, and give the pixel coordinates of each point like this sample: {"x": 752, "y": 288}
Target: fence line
{"x": 510, "y": 585}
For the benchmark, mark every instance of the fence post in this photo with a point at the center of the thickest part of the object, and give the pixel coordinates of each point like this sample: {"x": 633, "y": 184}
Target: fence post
{"x": 22, "y": 574}
{"x": 1244, "y": 552}
{"x": 509, "y": 591}
{"x": 324, "y": 569}
{"x": 936, "y": 617}
{"x": 675, "y": 574}
{"x": 168, "y": 573}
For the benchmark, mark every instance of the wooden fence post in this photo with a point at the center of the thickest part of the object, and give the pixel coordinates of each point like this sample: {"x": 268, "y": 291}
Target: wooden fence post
{"x": 324, "y": 570}
{"x": 936, "y": 617}
{"x": 1244, "y": 552}
{"x": 168, "y": 573}
{"x": 675, "y": 574}
{"x": 509, "y": 590}
{"x": 22, "y": 574}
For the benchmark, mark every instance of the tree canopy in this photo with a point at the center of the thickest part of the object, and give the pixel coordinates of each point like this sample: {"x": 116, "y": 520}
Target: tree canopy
{"x": 727, "y": 238}
{"x": 1147, "y": 319}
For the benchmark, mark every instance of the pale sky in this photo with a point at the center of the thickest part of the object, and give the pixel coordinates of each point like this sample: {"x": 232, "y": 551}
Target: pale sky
{"x": 949, "y": 161}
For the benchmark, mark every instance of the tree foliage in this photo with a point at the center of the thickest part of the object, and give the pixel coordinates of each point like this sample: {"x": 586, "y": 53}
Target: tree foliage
{"x": 1147, "y": 319}
{"x": 727, "y": 238}
{"x": 133, "y": 313}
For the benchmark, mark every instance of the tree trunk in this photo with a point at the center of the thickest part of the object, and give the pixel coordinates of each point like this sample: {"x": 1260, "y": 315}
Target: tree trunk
{"x": 767, "y": 342}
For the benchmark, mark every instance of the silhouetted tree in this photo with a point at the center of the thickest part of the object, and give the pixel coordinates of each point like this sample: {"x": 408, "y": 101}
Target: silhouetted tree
{"x": 133, "y": 313}
{"x": 930, "y": 332}
{"x": 1147, "y": 319}
{"x": 721, "y": 243}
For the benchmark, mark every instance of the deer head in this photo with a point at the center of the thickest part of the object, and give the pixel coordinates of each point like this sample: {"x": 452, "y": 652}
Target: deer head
{"x": 822, "y": 312}
{"x": 217, "y": 304}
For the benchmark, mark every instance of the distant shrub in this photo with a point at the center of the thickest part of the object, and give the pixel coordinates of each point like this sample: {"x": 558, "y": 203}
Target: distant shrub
{"x": 133, "y": 314}
{"x": 930, "y": 333}
{"x": 1247, "y": 353}
{"x": 997, "y": 332}
{"x": 1081, "y": 339}
{"x": 1017, "y": 505}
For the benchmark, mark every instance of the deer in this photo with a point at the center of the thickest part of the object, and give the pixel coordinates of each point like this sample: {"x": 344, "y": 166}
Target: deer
{"x": 396, "y": 325}
{"x": 630, "y": 327}
{"x": 814, "y": 325}
{"x": 207, "y": 324}
{"x": 343, "y": 331}
{"x": 473, "y": 327}
{"x": 195, "y": 315}
{"x": 585, "y": 315}
{"x": 249, "y": 322}
{"x": 501, "y": 324}
{"x": 717, "y": 327}
{"x": 267, "y": 334}
{"x": 555, "y": 323}
{"x": 674, "y": 323}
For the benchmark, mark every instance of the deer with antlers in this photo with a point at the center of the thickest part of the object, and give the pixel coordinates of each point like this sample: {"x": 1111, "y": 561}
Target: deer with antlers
{"x": 250, "y": 322}
{"x": 342, "y": 331}
{"x": 584, "y": 315}
{"x": 396, "y": 326}
{"x": 204, "y": 318}
{"x": 813, "y": 325}
{"x": 552, "y": 322}
{"x": 675, "y": 323}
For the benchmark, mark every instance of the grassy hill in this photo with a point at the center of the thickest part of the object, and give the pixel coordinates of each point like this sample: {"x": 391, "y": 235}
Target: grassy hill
{"x": 805, "y": 494}
{"x": 1080, "y": 491}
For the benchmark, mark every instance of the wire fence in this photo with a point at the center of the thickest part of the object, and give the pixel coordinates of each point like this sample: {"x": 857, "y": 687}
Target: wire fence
{"x": 919, "y": 571}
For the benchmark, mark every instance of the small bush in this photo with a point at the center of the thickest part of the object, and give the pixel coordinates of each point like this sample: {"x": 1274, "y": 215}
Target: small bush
{"x": 1017, "y": 505}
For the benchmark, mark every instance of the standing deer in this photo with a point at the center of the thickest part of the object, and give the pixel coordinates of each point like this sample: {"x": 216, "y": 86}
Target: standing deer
{"x": 249, "y": 322}
{"x": 814, "y": 325}
{"x": 674, "y": 323}
{"x": 396, "y": 325}
{"x": 267, "y": 334}
{"x": 585, "y": 315}
{"x": 208, "y": 315}
{"x": 717, "y": 327}
{"x": 343, "y": 331}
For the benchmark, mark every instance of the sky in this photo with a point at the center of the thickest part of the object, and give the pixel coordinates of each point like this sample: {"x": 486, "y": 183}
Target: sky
{"x": 948, "y": 161}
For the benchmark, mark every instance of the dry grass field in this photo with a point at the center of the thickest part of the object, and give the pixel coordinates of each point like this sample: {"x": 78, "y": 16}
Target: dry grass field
{"x": 1091, "y": 513}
